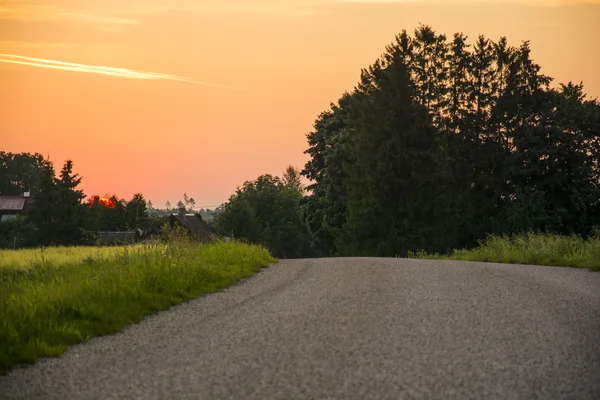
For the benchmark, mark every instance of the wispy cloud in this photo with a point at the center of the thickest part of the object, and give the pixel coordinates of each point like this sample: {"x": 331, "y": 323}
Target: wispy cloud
{"x": 102, "y": 70}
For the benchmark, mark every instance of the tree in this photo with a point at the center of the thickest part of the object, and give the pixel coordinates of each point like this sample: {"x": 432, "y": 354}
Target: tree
{"x": 325, "y": 207}
{"x": 106, "y": 214}
{"x": 267, "y": 212}
{"x": 43, "y": 213}
{"x": 291, "y": 179}
{"x": 391, "y": 179}
{"x": 443, "y": 142}
{"x": 189, "y": 201}
{"x": 137, "y": 212}
{"x": 57, "y": 212}
{"x": 70, "y": 208}
{"x": 22, "y": 172}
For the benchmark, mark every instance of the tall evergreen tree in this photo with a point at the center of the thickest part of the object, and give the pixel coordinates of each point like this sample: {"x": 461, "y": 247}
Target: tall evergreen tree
{"x": 391, "y": 169}
{"x": 69, "y": 208}
{"x": 291, "y": 179}
{"x": 57, "y": 211}
{"x": 136, "y": 212}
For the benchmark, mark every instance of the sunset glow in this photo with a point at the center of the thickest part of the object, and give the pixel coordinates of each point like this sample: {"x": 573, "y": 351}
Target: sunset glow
{"x": 104, "y": 201}
{"x": 163, "y": 97}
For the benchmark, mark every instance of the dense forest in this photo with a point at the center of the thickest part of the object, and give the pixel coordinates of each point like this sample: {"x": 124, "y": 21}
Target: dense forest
{"x": 441, "y": 143}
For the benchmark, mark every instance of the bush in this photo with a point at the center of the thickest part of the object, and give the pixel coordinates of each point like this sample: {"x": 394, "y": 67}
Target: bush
{"x": 537, "y": 249}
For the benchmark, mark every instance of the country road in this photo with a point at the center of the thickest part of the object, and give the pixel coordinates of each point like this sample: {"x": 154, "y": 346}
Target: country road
{"x": 353, "y": 328}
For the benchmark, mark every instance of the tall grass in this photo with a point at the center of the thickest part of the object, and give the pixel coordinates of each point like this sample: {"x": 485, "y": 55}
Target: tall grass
{"x": 62, "y": 300}
{"x": 59, "y": 255}
{"x": 536, "y": 249}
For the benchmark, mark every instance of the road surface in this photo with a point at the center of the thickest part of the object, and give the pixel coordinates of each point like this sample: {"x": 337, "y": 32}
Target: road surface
{"x": 355, "y": 328}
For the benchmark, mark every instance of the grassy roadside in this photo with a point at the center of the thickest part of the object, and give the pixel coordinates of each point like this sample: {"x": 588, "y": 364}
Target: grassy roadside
{"x": 49, "y": 304}
{"x": 535, "y": 249}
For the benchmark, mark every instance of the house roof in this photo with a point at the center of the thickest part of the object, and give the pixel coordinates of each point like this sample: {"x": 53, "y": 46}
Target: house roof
{"x": 12, "y": 203}
{"x": 193, "y": 223}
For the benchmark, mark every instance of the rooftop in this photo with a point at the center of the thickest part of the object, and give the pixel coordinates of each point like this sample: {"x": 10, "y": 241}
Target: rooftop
{"x": 193, "y": 223}
{"x": 12, "y": 203}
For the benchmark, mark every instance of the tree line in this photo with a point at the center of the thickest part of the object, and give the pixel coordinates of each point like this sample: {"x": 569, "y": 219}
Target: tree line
{"x": 441, "y": 143}
{"x": 58, "y": 214}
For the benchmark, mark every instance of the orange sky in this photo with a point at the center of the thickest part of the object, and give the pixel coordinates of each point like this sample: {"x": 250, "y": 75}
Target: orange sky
{"x": 153, "y": 126}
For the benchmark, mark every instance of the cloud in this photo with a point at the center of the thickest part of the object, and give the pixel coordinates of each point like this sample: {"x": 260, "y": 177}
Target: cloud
{"x": 102, "y": 70}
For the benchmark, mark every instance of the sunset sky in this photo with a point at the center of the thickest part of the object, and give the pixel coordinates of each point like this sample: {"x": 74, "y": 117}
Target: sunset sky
{"x": 171, "y": 96}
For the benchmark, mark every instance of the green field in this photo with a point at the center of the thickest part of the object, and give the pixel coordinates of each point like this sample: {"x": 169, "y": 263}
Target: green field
{"x": 535, "y": 249}
{"x": 56, "y": 297}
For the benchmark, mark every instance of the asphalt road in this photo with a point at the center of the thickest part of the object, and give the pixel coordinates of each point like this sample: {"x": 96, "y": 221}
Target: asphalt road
{"x": 350, "y": 329}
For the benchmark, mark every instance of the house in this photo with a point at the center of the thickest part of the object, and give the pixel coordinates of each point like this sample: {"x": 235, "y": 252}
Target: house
{"x": 193, "y": 223}
{"x": 11, "y": 206}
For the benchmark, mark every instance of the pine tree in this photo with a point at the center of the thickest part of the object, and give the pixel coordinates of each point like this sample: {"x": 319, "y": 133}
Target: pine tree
{"x": 291, "y": 179}
{"x": 137, "y": 212}
{"x": 390, "y": 176}
{"x": 70, "y": 210}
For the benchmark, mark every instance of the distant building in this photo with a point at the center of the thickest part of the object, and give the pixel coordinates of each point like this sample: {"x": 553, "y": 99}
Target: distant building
{"x": 193, "y": 223}
{"x": 11, "y": 206}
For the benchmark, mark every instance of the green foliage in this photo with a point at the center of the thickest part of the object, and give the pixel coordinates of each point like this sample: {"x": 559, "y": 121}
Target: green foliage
{"x": 69, "y": 210}
{"x": 55, "y": 304}
{"x": 136, "y": 212}
{"x": 56, "y": 212}
{"x": 22, "y": 172}
{"x": 443, "y": 142}
{"x": 385, "y": 192}
{"x": 17, "y": 232}
{"x": 266, "y": 211}
{"x": 325, "y": 208}
{"x": 291, "y": 179}
{"x": 112, "y": 216}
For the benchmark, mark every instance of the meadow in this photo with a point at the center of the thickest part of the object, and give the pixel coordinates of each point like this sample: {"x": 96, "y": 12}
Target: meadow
{"x": 533, "y": 249}
{"x": 56, "y": 297}
{"x": 61, "y": 255}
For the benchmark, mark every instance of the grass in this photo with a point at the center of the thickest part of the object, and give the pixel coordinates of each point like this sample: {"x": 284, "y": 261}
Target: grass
{"x": 56, "y": 256}
{"x": 58, "y": 297}
{"x": 535, "y": 249}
